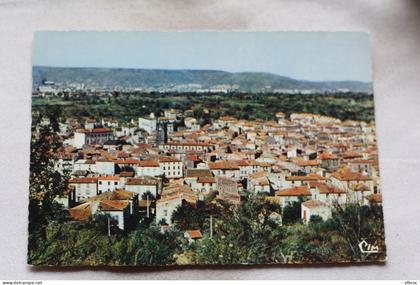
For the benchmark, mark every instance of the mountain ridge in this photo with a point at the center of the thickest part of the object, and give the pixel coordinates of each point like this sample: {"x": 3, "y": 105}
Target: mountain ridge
{"x": 100, "y": 77}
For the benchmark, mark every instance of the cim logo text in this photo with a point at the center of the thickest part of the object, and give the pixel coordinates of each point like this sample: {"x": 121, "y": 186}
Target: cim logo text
{"x": 366, "y": 247}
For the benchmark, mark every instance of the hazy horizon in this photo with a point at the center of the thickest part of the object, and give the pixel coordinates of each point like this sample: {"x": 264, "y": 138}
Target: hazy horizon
{"x": 190, "y": 69}
{"x": 309, "y": 56}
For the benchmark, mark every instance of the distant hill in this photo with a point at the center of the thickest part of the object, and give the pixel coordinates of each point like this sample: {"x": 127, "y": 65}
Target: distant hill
{"x": 161, "y": 78}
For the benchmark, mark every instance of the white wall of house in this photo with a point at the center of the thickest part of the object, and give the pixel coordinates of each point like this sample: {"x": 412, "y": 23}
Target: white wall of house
{"x": 323, "y": 211}
{"x": 64, "y": 165}
{"x": 108, "y": 185}
{"x": 204, "y": 187}
{"x": 172, "y": 169}
{"x": 293, "y": 183}
{"x": 105, "y": 167}
{"x": 148, "y": 171}
{"x": 261, "y": 188}
{"x": 227, "y": 173}
{"x": 288, "y": 200}
{"x": 328, "y": 198}
{"x": 81, "y": 165}
{"x": 164, "y": 210}
{"x": 84, "y": 190}
{"x": 149, "y": 125}
{"x": 141, "y": 189}
{"x": 99, "y": 137}
{"x": 79, "y": 139}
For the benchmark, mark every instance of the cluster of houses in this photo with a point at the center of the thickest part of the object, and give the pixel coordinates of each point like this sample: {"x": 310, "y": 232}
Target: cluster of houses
{"x": 151, "y": 166}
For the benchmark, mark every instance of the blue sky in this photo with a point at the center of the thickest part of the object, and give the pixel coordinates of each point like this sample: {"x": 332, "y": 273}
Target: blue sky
{"x": 314, "y": 56}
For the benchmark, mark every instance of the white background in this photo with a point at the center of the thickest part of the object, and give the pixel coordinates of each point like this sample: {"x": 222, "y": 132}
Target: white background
{"x": 394, "y": 27}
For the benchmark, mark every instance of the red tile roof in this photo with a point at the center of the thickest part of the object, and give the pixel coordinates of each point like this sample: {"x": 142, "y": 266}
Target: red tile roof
{"x": 83, "y": 180}
{"x": 375, "y": 198}
{"x": 323, "y": 188}
{"x": 81, "y": 212}
{"x": 141, "y": 181}
{"x": 198, "y": 173}
{"x": 295, "y": 191}
{"x": 206, "y": 180}
{"x": 109, "y": 178}
{"x": 126, "y": 174}
{"x": 168, "y": 159}
{"x": 303, "y": 163}
{"x": 327, "y": 156}
{"x": 224, "y": 165}
{"x": 309, "y": 177}
{"x": 313, "y": 204}
{"x": 113, "y": 205}
{"x": 96, "y": 130}
{"x": 347, "y": 175}
{"x": 148, "y": 163}
{"x": 351, "y": 154}
{"x": 194, "y": 234}
{"x": 127, "y": 161}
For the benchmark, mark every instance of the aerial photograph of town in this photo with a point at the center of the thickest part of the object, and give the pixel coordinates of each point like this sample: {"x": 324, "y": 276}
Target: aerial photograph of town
{"x": 203, "y": 148}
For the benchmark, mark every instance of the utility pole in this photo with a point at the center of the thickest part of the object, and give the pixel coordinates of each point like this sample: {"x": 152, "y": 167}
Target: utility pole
{"x": 211, "y": 226}
{"x": 147, "y": 204}
{"x": 109, "y": 227}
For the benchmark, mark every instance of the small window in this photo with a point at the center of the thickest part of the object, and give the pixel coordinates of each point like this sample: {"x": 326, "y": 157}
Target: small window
{"x": 115, "y": 183}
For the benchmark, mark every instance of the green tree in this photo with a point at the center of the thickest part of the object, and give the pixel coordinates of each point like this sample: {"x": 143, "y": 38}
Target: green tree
{"x": 45, "y": 181}
{"x": 292, "y": 212}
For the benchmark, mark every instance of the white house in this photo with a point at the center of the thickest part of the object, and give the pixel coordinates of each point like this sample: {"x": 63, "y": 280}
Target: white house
{"x": 300, "y": 180}
{"x": 108, "y": 183}
{"x": 68, "y": 198}
{"x": 225, "y": 168}
{"x": 118, "y": 210}
{"x": 191, "y": 123}
{"x": 313, "y": 207}
{"x": 65, "y": 163}
{"x": 291, "y": 195}
{"x": 280, "y": 116}
{"x": 187, "y": 146}
{"x": 119, "y": 205}
{"x": 85, "y": 187}
{"x": 200, "y": 180}
{"x": 148, "y": 124}
{"x": 105, "y": 167}
{"x": 327, "y": 194}
{"x": 171, "y": 167}
{"x": 84, "y": 165}
{"x": 142, "y": 185}
{"x": 204, "y": 185}
{"x": 357, "y": 185}
{"x": 166, "y": 207}
{"x": 148, "y": 168}
{"x": 258, "y": 182}
{"x": 91, "y": 136}
{"x": 172, "y": 197}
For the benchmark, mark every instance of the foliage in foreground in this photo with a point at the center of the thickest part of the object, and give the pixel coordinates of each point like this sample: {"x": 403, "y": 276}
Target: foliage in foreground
{"x": 248, "y": 235}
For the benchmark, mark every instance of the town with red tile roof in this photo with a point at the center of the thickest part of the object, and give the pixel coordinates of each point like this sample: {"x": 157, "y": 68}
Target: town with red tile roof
{"x": 170, "y": 159}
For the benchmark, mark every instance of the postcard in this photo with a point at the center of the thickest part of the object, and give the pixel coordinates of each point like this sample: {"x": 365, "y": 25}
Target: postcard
{"x": 203, "y": 148}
